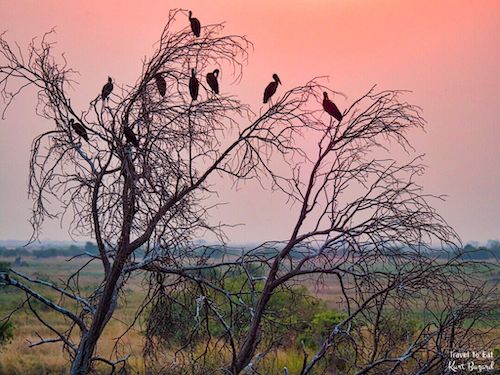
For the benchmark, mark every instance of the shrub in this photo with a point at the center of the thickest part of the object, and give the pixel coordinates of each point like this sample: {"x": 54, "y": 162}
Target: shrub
{"x": 4, "y": 266}
{"x": 6, "y": 331}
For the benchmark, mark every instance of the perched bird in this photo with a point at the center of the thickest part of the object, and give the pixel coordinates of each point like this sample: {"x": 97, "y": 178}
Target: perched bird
{"x": 271, "y": 88}
{"x": 79, "y": 129}
{"x": 195, "y": 25}
{"x": 160, "y": 84}
{"x": 212, "y": 80}
{"x": 331, "y": 108}
{"x": 130, "y": 136}
{"x": 194, "y": 85}
{"x": 106, "y": 89}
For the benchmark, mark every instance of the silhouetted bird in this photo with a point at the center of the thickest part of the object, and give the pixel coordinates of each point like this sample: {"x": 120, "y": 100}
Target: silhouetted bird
{"x": 195, "y": 25}
{"x": 130, "y": 136}
{"x": 194, "y": 85}
{"x": 161, "y": 84}
{"x": 271, "y": 88}
{"x": 331, "y": 108}
{"x": 106, "y": 89}
{"x": 212, "y": 80}
{"x": 79, "y": 129}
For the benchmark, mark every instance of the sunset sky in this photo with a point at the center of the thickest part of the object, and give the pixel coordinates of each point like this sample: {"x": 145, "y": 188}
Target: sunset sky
{"x": 446, "y": 52}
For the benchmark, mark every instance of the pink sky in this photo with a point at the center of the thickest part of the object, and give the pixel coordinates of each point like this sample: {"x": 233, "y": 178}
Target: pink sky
{"x": 446, "y": 52}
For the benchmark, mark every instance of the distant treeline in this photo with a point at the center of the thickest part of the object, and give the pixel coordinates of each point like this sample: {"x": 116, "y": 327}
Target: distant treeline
{"x": 472, "y": 252}
{"x": 489, "y": 251}
{"x": 69, "y": 251}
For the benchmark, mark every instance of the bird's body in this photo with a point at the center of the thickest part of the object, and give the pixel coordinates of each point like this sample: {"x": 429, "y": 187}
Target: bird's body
{"x": 130, "y": 136}
{"x": 212, "y": 80}
{"x": 161, "y": 84}
{"x": 331, "y": 108}
{"x": 79, "y": 129}
{"x": 106, "y": 89}
{"x": 195, "y": 25}
{"x": 194, "y": 85}
{"x": 271, "y": 88}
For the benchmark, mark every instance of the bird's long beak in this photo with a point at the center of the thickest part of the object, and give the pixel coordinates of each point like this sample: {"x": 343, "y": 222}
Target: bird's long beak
{"x": 278, "y": 80}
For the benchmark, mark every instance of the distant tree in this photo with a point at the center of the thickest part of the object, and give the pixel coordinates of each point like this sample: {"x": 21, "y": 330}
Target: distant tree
{"x": 145, "y": 179}
{"x": 4, "y": 266}
{"x": 6, "y": 332}
{"x": 91, "y": 247}
{"x": 19, "y": 262}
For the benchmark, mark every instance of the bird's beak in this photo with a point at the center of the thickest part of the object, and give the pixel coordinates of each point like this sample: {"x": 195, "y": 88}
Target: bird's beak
{"x": 278, "y": 80}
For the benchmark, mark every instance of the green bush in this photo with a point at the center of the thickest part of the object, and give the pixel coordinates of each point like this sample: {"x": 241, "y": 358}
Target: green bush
{"x": 396, "y": 329}
{"x": 324, "y": 321}
{"x": 289, "y": 312}
{"x": 4, "y": 266}
{"x": 6, "y": 331}
{"x": 320, "y": 327}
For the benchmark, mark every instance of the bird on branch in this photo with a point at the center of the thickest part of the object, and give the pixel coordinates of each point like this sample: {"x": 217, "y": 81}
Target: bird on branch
{"x": 271, "y": 88}
{"x": 79, "y": 129}
{"x": 106, "y": 89}
{"x": 212, "y": 80}
{"x": 194, "y": 85}
{"x": 160, "y": 84}
{"x": 331, "y": 108}
{"x": 130, "y": 136}
{"x": 195, "y": 24}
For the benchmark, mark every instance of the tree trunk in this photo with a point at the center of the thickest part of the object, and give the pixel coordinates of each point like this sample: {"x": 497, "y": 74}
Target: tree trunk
{"x": 249, "y": 346}
{"x": 82, "y": 364}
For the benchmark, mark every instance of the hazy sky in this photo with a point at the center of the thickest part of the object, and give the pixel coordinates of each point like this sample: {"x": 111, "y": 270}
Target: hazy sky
{"x": 446, "y": 52}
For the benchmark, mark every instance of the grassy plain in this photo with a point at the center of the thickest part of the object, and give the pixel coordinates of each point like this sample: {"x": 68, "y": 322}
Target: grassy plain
{"x": 16, "y": 357}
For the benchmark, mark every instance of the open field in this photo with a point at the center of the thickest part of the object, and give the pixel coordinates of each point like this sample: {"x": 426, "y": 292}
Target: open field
{"x": 16, "y": 357}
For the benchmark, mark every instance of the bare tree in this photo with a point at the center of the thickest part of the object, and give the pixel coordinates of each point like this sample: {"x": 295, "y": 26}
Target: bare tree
{"x": 362, "y": 222}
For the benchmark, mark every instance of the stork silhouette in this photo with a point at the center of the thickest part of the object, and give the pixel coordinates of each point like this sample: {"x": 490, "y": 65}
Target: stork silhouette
{"x": 79, "y": 129}
{"x": 130, "y": 136}
{"x": 195, "y": 25}
{"x": 194, "y": 85}
{"x": 160, "y": 84}
{"x": 271, "y": 88}
{"x": 331, "y": 108}
{"x": 106, "y": 89}
{"x": 212, "y": 80}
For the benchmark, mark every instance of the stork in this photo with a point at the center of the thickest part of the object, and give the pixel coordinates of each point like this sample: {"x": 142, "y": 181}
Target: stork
{"x": 195, "y": 24}
{"x": 106, "y": 89}
{"x": 331, "y": 108}
{"x": 160, "y": 84}
{"x": 194, "y": 85}
{"x": 271, "y": 88}
{"x": 79, "y": 129}
{"x": 212, "y": 80}
{"x": 130, "y": 136}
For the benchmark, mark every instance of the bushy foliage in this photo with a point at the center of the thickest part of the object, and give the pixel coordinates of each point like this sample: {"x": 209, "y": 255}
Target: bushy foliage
{"x": 6, "y": 331}
{"x": 185, "y": 315}
{"x": 4, "y": 266}
{"x": 397, "y": 329}
{"x": 319, "y": 326}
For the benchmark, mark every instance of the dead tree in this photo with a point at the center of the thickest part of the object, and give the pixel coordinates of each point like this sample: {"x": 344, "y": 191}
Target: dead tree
{"x": 144, "y": 178}
{"x": 385, "y": 246}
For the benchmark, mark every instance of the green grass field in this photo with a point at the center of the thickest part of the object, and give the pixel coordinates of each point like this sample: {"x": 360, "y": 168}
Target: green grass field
{"x": 16, "y": 357}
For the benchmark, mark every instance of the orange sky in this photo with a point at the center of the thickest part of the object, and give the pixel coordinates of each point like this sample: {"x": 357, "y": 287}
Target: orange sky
{"x": 446, "y": 52}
